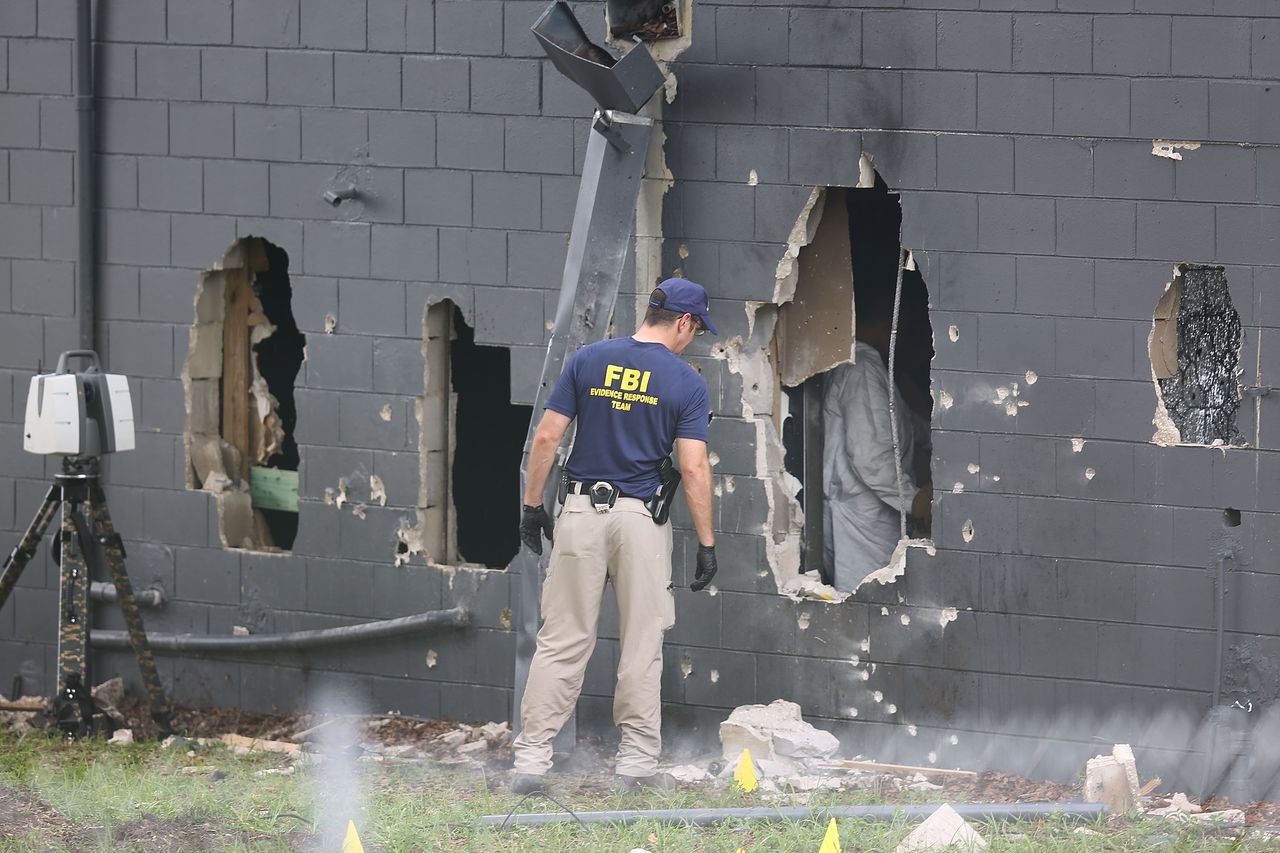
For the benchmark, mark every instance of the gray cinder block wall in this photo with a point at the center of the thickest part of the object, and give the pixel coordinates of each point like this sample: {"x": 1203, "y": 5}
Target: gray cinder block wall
{"x": 1020, "y": 136}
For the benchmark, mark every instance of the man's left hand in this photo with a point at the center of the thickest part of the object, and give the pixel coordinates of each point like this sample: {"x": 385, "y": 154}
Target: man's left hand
{"x": 534, "y": 524}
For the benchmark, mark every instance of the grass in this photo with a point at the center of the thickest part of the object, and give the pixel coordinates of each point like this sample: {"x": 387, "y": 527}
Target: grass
{"x": 143, "y": 796}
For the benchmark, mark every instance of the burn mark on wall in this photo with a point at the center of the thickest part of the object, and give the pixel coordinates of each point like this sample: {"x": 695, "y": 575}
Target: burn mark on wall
{"x": 1195, "y": 345}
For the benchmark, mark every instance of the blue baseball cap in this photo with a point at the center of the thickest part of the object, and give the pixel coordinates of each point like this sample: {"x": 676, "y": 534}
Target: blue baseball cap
{"x": 686, "y": 297}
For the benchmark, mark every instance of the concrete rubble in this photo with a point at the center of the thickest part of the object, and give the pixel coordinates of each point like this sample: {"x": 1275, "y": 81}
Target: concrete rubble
{"x": 1113, "y": 780}
{"x": 944, "y": 829}
{"x": 776, "y": 734}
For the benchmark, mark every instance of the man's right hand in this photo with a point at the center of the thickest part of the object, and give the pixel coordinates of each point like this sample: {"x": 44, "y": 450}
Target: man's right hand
{"x": 534, "y": 524}
{"x": 705, "y": 569}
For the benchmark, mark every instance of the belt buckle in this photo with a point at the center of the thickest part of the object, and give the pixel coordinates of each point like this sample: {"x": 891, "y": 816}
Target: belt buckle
{"x": 603, "y": 495}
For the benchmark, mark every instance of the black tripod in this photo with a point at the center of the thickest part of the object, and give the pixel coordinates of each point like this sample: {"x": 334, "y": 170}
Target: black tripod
{"x": 77, "y": 492}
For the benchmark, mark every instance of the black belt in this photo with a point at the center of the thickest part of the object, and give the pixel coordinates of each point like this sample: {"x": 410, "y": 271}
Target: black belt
{"x": 582, "y": 487}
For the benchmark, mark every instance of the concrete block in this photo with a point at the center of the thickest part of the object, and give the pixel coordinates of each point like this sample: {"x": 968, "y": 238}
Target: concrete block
{"x": 266, "y": 23}
{"x": 1176, "y": 230}
{"x": 1219, "y": 173}
{"x": 317, "y": 423}
{"x": 168, "y": 73}
{"x": 691, "y": 151}
{"x": 169, "y": 183}
{"x": 268, "y": 133}
{"x": 1117, "y": 416}
{"x": 507, "y": 200}
{"x": 371, "y": 307}
{"x": 232, "y": 74}
{"x": 119, "y": 181}
{"x": 360, "y": 423}
{"x": 334, "y": 136}
{"x": 332, "y": 588}
{"x": 43, "y": 287}
{"x": 715, "y": 94}
{"x": 40, "y": 66}
{"x": 473, "y": 256}
{"x": 747, "y": 36}
{"x": 738, "y": 152}
{"x": 539, "y": 145}
{"x": 824, "y": 37}
{"x": 975, "y": 163}
{"x": 141, "y": 349}
{"x": 1135, "y": 533}
{"x": 40, "y": 177}
{"x": 1128, "y": 289}
{"x": 407, "y": 252}
{"x": 197, "y": 240}
{"x": 334, "y": 24}
{"x": 779, "y": 99}
{"x": 1061, "y": 286}
{"x": 975, "y": 40}
{"x": 161, "y": 407}
{"x": 57, "y": 235}
{"x": 472, "y": 28}
{"x": 714, "y": 211}
{"x": 1052, "y": 43}
{"x": 133, "y": 237}
{"x": 201, "y": 130}
{"x": 1165, "y": 108}
{"x": 517, "y": 17}
{"x": 367, "y": 80}
{"x": 561, "y": 97}
{"x": 299, "y": 77}
{"x": 438, "y": 197}
{"x": 133, "y": 127}
{"x": 1246, "y": 235}
{"x": 469, "y": 141}
{"x": 505, "y": 316}
{"x": 1265, "y": 61}
{"x": 735, "y": 683}
{"x": 18, "y": 18}
{"x": 939, "y": 221}
{"x": 504, "y": 86}
{"x": 1079, "y": 352}
{"x": 115, "y": 70}
{"x": 199, "y": 21}
{"x": 402, "y": 139}
{"x": 816, "y": 157}
{"x": 386, "y": 25}
{"x": 536, "y": 260}
{"x": 342, "y": 362}
{"x": 1213, "y": 47}
{"x": 1011, "y": 102}
{"x": 1131, "y": 45}
{"x": 1096, "y": 228}
{"x": 57, "y": 123}
{"x": 398, "y": 364}
{"x": 937, "y": 100}
{"x": 1015, "y": 224}
{"x": 1054, "y": 167}
{"x": 336, "y": 249}
{"x": 899, "y": 39}
{"x": 1124, "y": 169}
{"x": 864, "y": 98}
{"x": 1011, "y": 343}
{"x": 1091, "y": 106}
{"x": 236, "y": 188}
{"x": 119, "y": 293}
{"x": 182, "y": 517}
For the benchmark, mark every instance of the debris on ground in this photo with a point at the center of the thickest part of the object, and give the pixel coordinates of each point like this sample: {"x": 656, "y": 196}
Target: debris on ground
{"x": 121, "y": 737}
{"x": 775, "y": 733}
{"x": 1178, "y": 805}
{"x": 241, "y": 745}
{"x": 809, "y": 587}
{"x": 941, "y": 830}
{"x": 1113, "y": 780}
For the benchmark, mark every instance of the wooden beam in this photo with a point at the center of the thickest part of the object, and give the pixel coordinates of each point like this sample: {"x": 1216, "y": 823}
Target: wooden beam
{"x": 235, "y": 367}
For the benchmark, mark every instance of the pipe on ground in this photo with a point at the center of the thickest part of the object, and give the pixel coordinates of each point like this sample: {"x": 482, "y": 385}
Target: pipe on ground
{"x": 106, "y": 593}
{"x": 434, "y": 620}
{"x": 705, "y": 817}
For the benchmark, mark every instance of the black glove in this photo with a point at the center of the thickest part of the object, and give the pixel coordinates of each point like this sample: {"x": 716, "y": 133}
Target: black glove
{"x": 534, "y": 524}
{"x": 706, "y": 568}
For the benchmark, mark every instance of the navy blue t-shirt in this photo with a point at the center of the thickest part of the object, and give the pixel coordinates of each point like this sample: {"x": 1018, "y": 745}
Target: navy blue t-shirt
{"x": 632, "y": 400}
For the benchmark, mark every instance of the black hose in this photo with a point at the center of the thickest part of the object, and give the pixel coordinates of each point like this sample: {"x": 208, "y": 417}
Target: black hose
{"x": 456, "y": 617}
{"x": 705, "y": 817}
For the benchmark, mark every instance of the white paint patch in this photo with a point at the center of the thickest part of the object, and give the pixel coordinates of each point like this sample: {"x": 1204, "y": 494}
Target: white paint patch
{"x": 853, "y": 712}
{"x": 330, "y": 323}
{"x": 715, "y": 676}
{"x": 713, "y": 458}
{"x": 954, "y": 740}
{"x": 966, "y": 532}
{"x": 1032, "y": 377}
{"x": 1089, "y": 473}
{"x": 855, "y": 660}
{"x": 686, "y": 666}
{"x": 377, "y": 490}
{"x": 948, "y": 614}
{"x": 957, "y": 488}
{"x": 803, "y": 621}
{"x": 385, "y": 412}
{"x": 904, "y": 619}
{"x": 1077, "y": 444}
{"x": 866, "y": 646}
{"x": 933, "y": 758}
{"x": 974, "y": 468}
{"x": 911, "y": 729}
{"x": 891, "y": 708}
{"x": 945, "y": 400}
{"x": 953, "y": 333}
{"x": 713, "y": 590}
{"x": 432, "y": 658}
{"x": 1168, "y": 148}
{"x": 752, "y": 178}
{"x": 877, "y": 696}
{"x": 864, "y": 675}
{"x": 884, "y": 611}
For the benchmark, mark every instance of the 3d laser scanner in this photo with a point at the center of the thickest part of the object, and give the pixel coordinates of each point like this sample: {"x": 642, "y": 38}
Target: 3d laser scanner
{"x": 88, "y": 413}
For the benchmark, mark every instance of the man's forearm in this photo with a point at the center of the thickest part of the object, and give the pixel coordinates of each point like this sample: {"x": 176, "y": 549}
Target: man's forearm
{"x": 697, "y": 492}
{"x": 541, "y": 455}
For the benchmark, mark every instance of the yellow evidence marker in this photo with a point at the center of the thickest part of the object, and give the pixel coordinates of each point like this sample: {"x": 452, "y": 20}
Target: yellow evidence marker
{"x": 745, "y": 773}
{"x": 351, "y": 844}
{"x": 831, "y": 841}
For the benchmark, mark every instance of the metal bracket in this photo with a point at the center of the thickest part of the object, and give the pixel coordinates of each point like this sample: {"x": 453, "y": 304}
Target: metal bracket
{"x": 604, "y": 126}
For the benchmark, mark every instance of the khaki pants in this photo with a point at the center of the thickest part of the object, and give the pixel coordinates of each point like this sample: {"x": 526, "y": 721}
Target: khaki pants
{"x": 625, "y": 546}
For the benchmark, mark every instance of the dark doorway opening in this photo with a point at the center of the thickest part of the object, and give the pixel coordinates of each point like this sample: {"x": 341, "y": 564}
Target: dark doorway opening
{"x": 489, "y": 434}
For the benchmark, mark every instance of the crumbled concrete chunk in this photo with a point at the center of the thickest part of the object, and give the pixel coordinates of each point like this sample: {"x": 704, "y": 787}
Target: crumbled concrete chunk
{"x": 942, "y": 830}
{"x": 774, "y": 732}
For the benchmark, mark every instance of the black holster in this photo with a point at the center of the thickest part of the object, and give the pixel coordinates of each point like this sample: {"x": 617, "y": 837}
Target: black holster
{"x": 659, "y": 505}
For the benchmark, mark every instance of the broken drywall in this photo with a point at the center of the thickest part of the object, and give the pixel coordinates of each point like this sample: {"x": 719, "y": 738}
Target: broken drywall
{"x": 1194, "y": 346}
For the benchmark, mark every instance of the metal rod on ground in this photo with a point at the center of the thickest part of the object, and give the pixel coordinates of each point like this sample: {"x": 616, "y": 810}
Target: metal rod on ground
{"x": 456, "y": 617}
{"x": 705, "y": 817}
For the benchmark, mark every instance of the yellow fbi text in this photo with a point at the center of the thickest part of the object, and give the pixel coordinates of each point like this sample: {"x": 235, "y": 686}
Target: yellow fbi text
{"x": 631, "y": 387}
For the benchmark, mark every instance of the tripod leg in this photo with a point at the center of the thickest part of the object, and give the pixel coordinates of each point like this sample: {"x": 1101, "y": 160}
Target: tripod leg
{"x": 26, "y": 549}
{"x": 73, "y": 704}
{"x": 113, "y": 547}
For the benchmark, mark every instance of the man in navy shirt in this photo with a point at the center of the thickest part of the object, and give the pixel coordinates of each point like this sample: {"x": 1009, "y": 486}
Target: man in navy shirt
{"x": 633, "y": 397}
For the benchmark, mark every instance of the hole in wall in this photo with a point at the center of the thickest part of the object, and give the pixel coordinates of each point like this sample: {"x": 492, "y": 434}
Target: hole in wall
{"x": 471, "y": 441}
{"x": 645, "y": 19}
{"x": 832, "y": 358}
{"x": 243, "y": 359}
{"x": 1194, "y": 345}
{"x": 1230, "y": 517}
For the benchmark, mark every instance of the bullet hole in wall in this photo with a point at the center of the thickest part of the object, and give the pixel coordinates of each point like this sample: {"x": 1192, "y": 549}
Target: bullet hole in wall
{"x": 1230, "y": 517}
